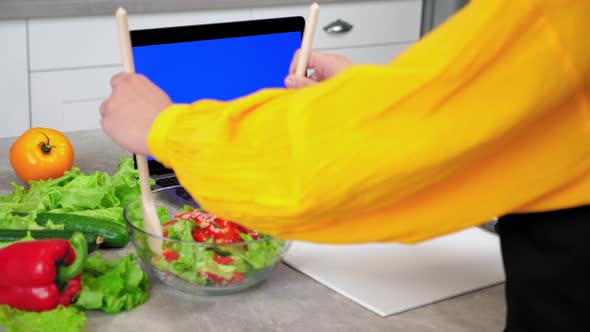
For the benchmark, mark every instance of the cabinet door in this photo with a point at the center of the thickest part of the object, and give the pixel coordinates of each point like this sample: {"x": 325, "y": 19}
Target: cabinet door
{"x": 69, "y": 100}
{"x": 372, "y": 54}
{"x": 84, "y": 42}
{"x": 372, "y": 22}
{"x": 14, "y": 97}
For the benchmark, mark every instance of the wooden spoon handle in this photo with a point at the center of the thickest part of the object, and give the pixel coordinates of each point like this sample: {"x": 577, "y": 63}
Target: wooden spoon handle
{"x": 150, "y": 217}
{"x": 307, "y": 40}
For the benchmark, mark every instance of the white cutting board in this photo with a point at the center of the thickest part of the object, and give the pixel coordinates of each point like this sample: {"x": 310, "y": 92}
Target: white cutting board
{"x": 391, "y": 278}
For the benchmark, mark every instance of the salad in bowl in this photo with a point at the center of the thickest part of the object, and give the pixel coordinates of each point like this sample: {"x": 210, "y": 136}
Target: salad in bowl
{"x": 202, "y": 253}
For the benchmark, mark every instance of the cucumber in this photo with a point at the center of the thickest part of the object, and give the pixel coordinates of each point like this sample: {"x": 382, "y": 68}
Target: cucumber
{"x": 11, "y": 235}
{"x": 114, "y": 235}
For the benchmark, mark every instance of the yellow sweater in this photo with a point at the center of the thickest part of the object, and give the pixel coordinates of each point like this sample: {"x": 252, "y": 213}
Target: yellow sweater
{"x": 489, "y": 114}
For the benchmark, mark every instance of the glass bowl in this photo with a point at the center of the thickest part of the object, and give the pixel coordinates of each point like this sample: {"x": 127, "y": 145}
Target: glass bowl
{"x": 201, "y": 268}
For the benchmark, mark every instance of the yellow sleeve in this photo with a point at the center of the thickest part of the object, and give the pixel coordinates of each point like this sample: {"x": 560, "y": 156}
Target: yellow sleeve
{"x": 486, "y": 115}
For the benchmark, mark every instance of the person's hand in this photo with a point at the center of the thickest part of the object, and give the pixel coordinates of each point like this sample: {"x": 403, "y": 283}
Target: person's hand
{"x": 128, "y": 114}
{"x": 324, "y": 66}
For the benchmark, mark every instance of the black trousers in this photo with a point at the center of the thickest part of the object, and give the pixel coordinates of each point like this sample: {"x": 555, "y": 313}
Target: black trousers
{"x": 547, "y": 265}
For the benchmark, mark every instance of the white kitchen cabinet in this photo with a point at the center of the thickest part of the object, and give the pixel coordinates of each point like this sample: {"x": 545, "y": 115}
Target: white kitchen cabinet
{"x": 14, "y": 83}
{"x": 69, "y": 100}
{"x": 371, "y": 54}
{"x": 83, "y": 42}
{"x": 373, "y": 22}
{"x": 379, "y": 30}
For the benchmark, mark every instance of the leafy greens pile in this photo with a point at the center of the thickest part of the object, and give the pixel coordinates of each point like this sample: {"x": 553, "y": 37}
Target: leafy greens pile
{"x": 97, "y": 195}
{"x": 113, "y": 285}
{"x": 110, "y": 285}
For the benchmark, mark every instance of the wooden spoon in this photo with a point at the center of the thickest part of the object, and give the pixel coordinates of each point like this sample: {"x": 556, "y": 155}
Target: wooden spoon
{"x": 307, "y": 40}
{"x": 151, "y": 222}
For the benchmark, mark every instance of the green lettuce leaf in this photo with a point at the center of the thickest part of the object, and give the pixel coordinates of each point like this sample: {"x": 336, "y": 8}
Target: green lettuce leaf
{"x": 113, "y": 285}
{"x": 61, "y": 319}
{"x": 8, "y": 220}
{"x": 124, "y": 181}
{"x": 261, "y": 254}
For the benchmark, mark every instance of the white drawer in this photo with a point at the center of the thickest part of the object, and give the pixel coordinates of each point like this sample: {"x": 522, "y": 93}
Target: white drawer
{"x": 14, "y": 79}
{"x": 375, "y": 22}
{"x": 381, "y": 54}
{"x": 93, "y": 41}
{"x": 69, "y": 100}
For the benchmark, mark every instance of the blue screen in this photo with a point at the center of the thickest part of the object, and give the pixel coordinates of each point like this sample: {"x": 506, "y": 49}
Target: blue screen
{"x": 220, "y": 69}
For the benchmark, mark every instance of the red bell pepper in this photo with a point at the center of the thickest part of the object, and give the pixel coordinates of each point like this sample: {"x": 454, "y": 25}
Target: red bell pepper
{"x": 39, "y": 275}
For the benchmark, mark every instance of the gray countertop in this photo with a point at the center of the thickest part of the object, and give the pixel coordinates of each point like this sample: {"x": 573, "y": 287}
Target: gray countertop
{"x": 287, "y": 301}
{"x": 19, "y": 9}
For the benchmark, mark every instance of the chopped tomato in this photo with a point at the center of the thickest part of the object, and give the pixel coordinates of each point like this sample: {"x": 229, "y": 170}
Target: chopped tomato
{"x": 213, "y": 278}
{"x": 236, "y": 278}
{"x": 243, "y": 230}
{"x": 170, "y": 255}
{"x": 165, "y": 233}
{"x": 230, "y": 233}
{"x": 222, "y": 259}
{"x": 199, "y": 236}
{"x": 254, "y": 235}
{"x": 218, "y": 280}
{"x": 213, "y": 227}
{"x": 212, "y": 231}
{"x": 229, "y": 238}
{"x": 221, "y": 223}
